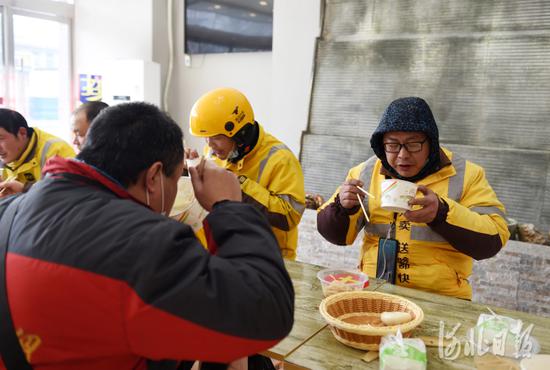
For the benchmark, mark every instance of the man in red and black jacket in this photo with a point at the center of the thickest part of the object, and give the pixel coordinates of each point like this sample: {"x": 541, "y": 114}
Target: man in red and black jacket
{"x": 99, "y": 278}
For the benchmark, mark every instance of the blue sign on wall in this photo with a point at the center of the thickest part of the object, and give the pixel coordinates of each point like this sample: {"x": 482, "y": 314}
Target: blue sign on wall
{"x": 90, "y": 88}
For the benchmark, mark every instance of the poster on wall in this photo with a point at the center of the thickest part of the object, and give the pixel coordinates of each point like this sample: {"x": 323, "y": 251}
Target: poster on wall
{"x": 90, "y": 88}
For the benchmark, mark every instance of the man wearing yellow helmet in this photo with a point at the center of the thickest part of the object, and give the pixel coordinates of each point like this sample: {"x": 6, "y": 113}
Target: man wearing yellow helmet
{"x": 270, "y": 175}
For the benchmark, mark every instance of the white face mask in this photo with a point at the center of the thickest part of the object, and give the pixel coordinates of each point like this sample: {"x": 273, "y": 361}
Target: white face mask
{"x": 233, "y": 154}
{"x": 162, "y": 211}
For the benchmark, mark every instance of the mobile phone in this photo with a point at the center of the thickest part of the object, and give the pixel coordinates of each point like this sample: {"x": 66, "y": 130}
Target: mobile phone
{"x": 387, "y": 259}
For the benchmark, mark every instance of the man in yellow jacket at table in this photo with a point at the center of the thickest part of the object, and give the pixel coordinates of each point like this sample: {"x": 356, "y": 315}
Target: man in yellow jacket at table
{"x": 24, "y": 150}
{"x": 270, "y": 175}
{"x": 456, "y": 218}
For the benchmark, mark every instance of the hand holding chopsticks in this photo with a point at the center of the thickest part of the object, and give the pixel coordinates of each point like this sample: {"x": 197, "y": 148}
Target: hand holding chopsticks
{"x": 213, "y": 184}
{"x": 11, "y": 178}
{"x": 350, "y": 191}
{"x": 200, "y": 166}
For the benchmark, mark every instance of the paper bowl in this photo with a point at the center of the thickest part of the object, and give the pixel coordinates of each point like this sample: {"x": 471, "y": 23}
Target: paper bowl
{"x": 396, "y": 195}
{"x": 186, "y": 207}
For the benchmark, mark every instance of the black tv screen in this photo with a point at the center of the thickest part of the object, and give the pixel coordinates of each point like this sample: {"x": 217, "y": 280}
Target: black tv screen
{"x": 228, "y": 26}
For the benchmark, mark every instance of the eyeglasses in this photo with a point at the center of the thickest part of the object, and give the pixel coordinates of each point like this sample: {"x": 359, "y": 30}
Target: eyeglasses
{"x": 412, "y": 147}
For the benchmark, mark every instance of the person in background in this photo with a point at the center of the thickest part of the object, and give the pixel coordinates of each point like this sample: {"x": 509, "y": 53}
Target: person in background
{"x": 24, "y": 151}
{"x": 82, "y": 119}
{"x": 270, "y": 175}
{"x": 118, "y": 284}
{"x": 457, "y": 218}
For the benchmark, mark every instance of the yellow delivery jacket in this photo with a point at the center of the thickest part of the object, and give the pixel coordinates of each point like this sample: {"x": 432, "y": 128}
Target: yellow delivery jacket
{"x": 271, "y": 179}
{"x": 425, "y": 259}
{"x": 42, "y": 146}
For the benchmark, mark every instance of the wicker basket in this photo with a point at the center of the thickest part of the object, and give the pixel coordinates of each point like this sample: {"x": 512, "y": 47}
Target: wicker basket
{"x": 354, "y": 317}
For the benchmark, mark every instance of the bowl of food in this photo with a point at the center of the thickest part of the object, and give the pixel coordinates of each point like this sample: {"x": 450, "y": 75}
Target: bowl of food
{"x": 337, "y": 280}
{"x": 360, "y": 319}
{"x": 186, "y": 208}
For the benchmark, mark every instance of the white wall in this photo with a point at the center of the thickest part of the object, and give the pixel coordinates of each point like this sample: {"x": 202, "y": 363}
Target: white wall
{"x": 296, "y": 25}
{"x": 251, "y": 73}
{"x": 111, "y": 29}
{"x": 278, "y": 84}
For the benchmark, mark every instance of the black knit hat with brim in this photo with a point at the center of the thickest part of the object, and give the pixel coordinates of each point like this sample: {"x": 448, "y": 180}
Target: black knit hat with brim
{"x": 408, "y": 114}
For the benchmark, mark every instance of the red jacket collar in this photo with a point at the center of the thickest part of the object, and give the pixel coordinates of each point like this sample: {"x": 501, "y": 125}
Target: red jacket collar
{"x": 58, "y": 165}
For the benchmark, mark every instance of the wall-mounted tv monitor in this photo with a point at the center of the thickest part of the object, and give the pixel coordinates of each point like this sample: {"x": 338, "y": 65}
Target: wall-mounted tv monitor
{"x": 228, "y": 26}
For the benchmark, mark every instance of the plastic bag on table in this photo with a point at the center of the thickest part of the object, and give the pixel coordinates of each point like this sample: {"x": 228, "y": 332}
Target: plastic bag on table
{"x": 398, "y": 353}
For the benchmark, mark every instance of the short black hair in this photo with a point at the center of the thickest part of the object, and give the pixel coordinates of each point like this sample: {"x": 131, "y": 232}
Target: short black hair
{"x": 128, "y": 138}
{"x": 12, "y": 121}
{"x": 91, "y": 109}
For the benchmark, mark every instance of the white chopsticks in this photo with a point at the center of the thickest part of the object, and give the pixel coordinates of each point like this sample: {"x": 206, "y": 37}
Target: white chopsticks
{"x": 363, "y": 207}
{"x": 364, "y": 191}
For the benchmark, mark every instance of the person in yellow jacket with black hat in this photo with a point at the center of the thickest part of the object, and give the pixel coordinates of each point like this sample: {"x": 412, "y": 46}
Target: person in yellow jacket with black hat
{"x": 24, "y": 151}
{"x": 457, "y": 217}
{"x": 270, "y": 175}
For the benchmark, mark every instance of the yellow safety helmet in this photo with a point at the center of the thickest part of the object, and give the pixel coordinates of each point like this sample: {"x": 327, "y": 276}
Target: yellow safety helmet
{"x": 220, "y": 111}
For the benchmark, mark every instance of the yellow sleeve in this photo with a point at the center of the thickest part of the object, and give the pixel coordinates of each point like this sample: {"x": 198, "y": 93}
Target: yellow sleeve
{"x": 283, "y": 200}
{"x": 479, "y": 209}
